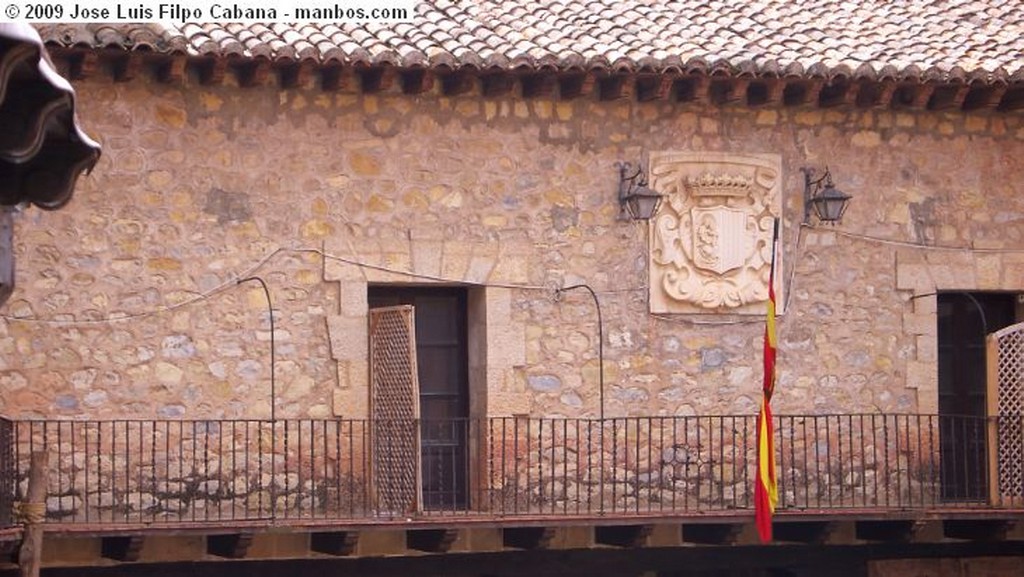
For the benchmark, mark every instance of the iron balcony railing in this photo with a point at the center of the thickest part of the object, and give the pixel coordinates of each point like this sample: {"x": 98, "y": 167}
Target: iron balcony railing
{"x": 146, "y": 471}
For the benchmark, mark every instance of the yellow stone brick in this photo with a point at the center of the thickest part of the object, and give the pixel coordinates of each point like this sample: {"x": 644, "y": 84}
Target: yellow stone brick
{"x": 159, "y": 179}
{"x": 316, "y": 228}
{"x": 415, "y": 199}
{"x": 171, "y": 115}
{"x": 211, "y": 102}
{"x": 495, "y": 221}
{"x": 767, "y": 118}
{"x": 370, "y": 104}
{"x": 867, "y": 139}
{"x": 521, "y": 110}
{"x": 380, "y": 203}
{"x": 543, "y": 109}
{"x": 364, "y": 164}
{"x": 468, "y": 107}
{"x": 905, "y": 120}
{"x": 164, "y": 264}
{"x": 946, "y": 128}
{"x": 490, "y": 109}
{"x": 976, "y": 123}
{"x": 563, "y": 110}
{"x": 320, "y": 207}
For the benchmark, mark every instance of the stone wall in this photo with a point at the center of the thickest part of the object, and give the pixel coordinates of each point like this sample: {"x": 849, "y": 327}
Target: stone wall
{"x": 127, "y": 304}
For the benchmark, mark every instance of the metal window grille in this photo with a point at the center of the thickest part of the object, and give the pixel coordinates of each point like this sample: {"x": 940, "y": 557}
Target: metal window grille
{"x": 1007, "y": 367}
{"x": 394, "y": 409}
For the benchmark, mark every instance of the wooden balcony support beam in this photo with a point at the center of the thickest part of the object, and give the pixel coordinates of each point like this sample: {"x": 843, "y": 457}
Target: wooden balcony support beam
{"x": 122, "y": 547}
{"x": 890, "y": 531}
{"x": 626, "y": 536}
{"x": 976, "y": 529}
{"x": 711, "y": 533}
{"x": 337, "y": 543}
{"x": 808, "y": 532}
{"x": 527, "y": 537}
{"x": 230, "y": 546}
{"x": 431, "y": 540}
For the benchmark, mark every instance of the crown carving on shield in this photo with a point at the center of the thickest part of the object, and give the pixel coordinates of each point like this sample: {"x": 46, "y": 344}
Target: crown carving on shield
{"x": 709, "y": 184}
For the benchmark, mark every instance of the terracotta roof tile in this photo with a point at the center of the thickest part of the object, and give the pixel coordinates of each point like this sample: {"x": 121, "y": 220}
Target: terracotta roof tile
{"x": 626, "y": 35}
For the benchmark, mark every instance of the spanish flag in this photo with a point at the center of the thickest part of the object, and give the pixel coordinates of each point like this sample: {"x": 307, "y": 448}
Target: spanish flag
{"x": 766, "y": 493}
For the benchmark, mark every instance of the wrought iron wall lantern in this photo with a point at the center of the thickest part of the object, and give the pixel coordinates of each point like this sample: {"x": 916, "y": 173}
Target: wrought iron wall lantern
{"x": 636, "y": 200}
{"x": 822, "y": 197}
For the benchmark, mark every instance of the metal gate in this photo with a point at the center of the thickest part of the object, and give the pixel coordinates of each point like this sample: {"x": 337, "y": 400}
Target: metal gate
{"x": 1005, "y": 357}
{"x": 394, "y": 411}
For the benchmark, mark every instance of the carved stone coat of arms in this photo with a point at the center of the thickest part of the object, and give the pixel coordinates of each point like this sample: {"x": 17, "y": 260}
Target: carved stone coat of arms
{"x": 710, "y": 243}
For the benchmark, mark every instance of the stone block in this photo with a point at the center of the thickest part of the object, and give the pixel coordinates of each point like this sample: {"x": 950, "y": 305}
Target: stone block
{"x": 922, "y": 375}
{"x": 927, "y": 348}
{"x": 351, "y": 403}
{"x": 348, "y": 338}
{"x": 352, "y": 302}
{"x": 915, "y": 277}
{"x": 426, "y": 257}
{"x": 919, "y": 324}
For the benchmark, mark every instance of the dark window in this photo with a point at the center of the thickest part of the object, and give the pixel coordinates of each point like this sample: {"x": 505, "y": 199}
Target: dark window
{"x": 964, "y": 320}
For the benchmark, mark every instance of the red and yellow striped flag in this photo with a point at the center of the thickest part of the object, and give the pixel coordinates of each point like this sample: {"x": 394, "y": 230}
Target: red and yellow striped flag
{"x": 766, "y": 493}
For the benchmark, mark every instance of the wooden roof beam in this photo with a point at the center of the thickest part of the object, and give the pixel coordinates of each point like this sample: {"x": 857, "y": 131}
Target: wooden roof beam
{"x": 572, "y": 86}
{"x": 802, "y": 92}
{"x": 538, "y": 85}
{"x": 417, "y": 81}
{"x": 842, "y": 92}
{"x": 211, "y": 72}
{"x": 766, "y": 92}
{"x": 456, "y": 83}
{"x": 985, "y": 97}
{"x": 695, "y": 88}
{"x": 617, "y": 86}
{"x": 336, "y": 77}
{"x": 654, "y": 87}
{"x": 172, "y": 70}
{"x": 948, "y": 97}
{"x": 377, "y": 79}
{"x": 497, "y": 84}
{"x": 127, "y": 67}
